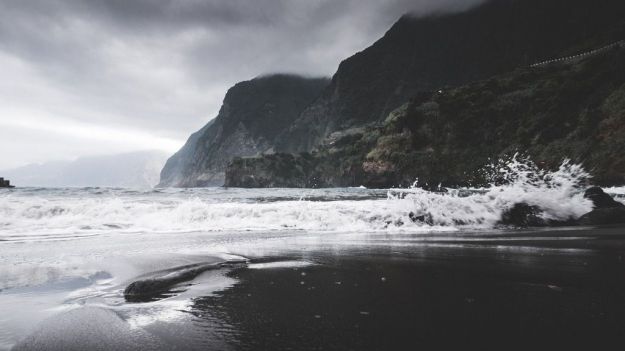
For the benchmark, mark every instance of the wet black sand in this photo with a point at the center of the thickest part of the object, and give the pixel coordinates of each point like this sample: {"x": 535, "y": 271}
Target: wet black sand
{"x": 546, "y": 289}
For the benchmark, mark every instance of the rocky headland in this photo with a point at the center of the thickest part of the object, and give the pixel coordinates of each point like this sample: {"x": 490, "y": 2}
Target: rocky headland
{"x": 5, "y": 183}
{"x": 437, "y": 99}
{"x": 569, "y": 110}
{"x": 252, "y": 116}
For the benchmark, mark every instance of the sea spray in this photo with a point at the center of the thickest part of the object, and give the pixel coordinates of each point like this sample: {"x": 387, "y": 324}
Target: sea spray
{"x": 52, "y": 214}
{"x": 558, "y": 194}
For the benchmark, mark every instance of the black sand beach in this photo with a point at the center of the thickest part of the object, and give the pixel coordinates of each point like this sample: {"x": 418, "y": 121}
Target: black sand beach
{"x": 538, "y": 289}
{"x": 312, "y": 175}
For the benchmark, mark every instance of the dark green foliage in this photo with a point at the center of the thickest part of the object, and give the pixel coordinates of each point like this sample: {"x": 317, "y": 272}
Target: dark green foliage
{"x": 552, "y": 113}
{"x": 427, "y": 54}
{"x": 443, "y": 136}
{"x": 563, "y": 111}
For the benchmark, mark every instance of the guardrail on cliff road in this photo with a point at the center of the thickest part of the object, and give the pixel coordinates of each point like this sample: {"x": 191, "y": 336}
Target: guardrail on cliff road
{"x": 620, "y": 43}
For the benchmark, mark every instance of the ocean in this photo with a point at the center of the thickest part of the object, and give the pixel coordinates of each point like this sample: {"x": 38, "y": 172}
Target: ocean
{"x": 67, "y": 250}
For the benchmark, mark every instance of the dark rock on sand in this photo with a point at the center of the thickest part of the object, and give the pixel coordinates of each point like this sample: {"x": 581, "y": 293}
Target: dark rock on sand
{"x": 524, "y": 215}
{"x": 160, "y": 286}
{"x": 602, "y": 216}
{"x": 600, "y": 199}
{"x": 606, "y": 209}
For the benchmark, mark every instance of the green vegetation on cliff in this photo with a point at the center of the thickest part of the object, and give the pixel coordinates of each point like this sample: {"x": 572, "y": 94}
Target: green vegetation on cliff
{"x": 436, "y": 98}
{"x": 570, "y": 110}
{"x": 427, "y": 53}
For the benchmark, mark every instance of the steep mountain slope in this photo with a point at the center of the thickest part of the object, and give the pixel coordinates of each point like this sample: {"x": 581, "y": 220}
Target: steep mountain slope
{"x": 573, "y": 109}
{"x": 132, "y": 170}
{"x": 172, "y": 173}
{"x": 253, "y": 114}
{"x": 427, "y": 54}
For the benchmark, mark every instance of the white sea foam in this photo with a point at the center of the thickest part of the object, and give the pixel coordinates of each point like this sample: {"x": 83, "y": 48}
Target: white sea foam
{"x": 559, "y": 194}
{"x": 616, "y": 190}
{"x": 43, "y": 214}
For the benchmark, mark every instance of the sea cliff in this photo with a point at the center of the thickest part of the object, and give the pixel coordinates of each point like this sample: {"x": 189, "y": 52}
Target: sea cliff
{"x": 252, "y": 116}
{"x": 573, "y": 110}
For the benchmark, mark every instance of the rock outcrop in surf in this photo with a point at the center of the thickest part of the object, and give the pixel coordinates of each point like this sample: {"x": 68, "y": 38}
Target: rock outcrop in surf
{"x": 5, "y": 183}
{"x": 524, "y": 215}
{"x": 605, "y": 209}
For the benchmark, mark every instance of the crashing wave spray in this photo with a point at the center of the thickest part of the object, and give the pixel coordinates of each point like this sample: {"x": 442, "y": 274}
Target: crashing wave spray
{"x": 559, "y": 194}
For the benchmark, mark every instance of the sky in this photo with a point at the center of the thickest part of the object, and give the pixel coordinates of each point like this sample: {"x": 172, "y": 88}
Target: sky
{"x": 98, "y": 77}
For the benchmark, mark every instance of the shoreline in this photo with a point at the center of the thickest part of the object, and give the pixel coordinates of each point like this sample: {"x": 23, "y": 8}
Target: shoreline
{"x": 553, "y": 287}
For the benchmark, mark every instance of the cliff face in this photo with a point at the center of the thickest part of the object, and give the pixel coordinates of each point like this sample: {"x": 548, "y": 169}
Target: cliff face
{"x": 435, "y": 98}
{"x": 427, "y": 54}
{"x": 177, "y": 166}
{"x": 253, "y": 114}
{"x": 573, "y": 109}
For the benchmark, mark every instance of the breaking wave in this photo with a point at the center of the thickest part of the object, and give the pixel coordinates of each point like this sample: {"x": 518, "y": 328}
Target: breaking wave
{"x": 558, "y": 193}
{"x": 42, "y": 214}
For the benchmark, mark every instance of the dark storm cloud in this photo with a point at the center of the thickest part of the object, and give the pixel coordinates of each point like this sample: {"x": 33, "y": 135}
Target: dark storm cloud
{"x": 161, "y": 67}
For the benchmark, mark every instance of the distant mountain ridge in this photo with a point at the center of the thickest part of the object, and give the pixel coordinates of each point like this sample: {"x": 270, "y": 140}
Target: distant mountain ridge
{"x": 253, "y": 114}
{"x": 130, "y": 170}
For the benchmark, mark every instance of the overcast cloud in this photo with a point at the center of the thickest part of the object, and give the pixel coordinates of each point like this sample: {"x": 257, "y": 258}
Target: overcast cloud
{"x": 107, "y": 76}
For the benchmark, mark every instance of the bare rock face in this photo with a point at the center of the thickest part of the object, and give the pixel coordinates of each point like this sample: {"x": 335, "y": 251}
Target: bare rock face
{"x": 252, "y": 115}
{"x": 271, "y": 171}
